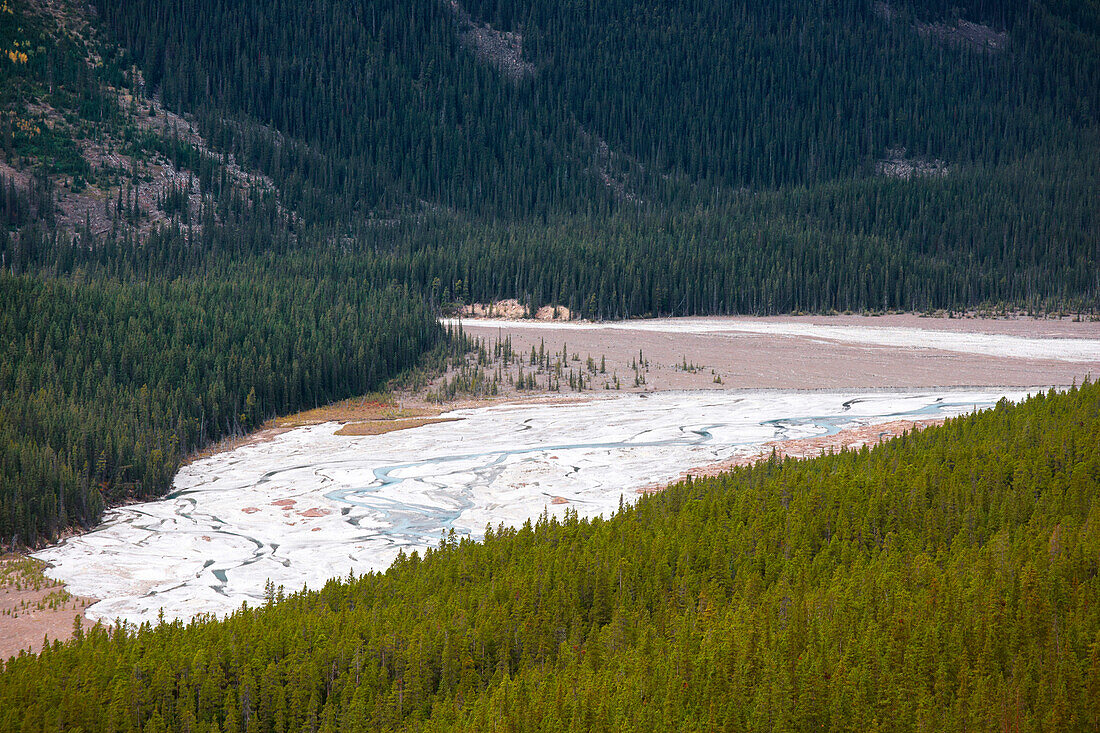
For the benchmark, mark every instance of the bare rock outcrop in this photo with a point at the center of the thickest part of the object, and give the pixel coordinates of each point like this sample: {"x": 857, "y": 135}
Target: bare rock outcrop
{"x": 502, "y": 50}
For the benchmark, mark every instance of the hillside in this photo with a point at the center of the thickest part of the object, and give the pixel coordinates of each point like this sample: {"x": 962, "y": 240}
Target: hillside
{"x": 151, "y": 300}
{"x": 694, "y": 92}
{"x": 854, "y": 157}
{"x": 945, "y": 580}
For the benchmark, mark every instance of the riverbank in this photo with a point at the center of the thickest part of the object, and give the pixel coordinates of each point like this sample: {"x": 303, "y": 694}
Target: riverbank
{"x": 34, "y": 607}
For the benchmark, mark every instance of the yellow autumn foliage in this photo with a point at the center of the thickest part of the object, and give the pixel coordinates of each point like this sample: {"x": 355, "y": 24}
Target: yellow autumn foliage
{"x": 28, "y": 127}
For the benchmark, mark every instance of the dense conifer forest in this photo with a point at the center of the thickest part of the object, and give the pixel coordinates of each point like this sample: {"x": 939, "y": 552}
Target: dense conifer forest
{"x": 695, "y": 91}
{"x": 946, "y": 580}
{"x": 107, "y": 386}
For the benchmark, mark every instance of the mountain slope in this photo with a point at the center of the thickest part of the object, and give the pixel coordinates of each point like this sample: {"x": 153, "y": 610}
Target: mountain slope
{"x": 971, "y": 164}
{"x": 134, "y": 328}
{"x": 869, "y": 131}
{"x": 738, "y": 94}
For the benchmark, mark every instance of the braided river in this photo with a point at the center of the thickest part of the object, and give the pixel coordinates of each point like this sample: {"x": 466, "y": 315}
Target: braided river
{"x": 309, "y": 505}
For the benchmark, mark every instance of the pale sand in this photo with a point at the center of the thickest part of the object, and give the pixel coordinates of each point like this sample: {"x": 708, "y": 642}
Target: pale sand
{"x": 851, "y": 439}
{"x": 745, "y": 360}
{"x": 34, "y": 608}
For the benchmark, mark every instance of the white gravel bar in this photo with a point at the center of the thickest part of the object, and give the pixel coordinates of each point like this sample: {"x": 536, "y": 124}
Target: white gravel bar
{"x": 309, "y": 505}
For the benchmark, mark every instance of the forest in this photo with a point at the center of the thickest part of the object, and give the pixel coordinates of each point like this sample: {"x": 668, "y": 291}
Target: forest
{"x": 107, "y": 387}
{"x": 215, "y": 212}
{"x": 630, "y": 173}
{"x": 395, "y": 109}
{"x": 945, "y": 580}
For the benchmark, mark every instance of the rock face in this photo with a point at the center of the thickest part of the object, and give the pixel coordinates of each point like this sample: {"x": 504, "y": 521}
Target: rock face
{"x": 962, "y": 33}
{"x": 502, "y": 50}
{"x": 512, "y": 309}
{"x": 896, "y": 164}
{"x": 965, "y": 34}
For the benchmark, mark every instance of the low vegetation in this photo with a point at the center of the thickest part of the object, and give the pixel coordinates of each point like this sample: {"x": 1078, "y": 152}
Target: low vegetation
{"x": 490, "y": 367}
{"x": 18, "y": 574}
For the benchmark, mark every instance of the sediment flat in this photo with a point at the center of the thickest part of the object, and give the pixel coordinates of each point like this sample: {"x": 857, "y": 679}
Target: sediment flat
{"x": 821, "y": 352}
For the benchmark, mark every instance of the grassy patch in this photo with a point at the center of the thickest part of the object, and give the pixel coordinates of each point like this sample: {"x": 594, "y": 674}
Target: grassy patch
{"x": 379, "y": 427}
